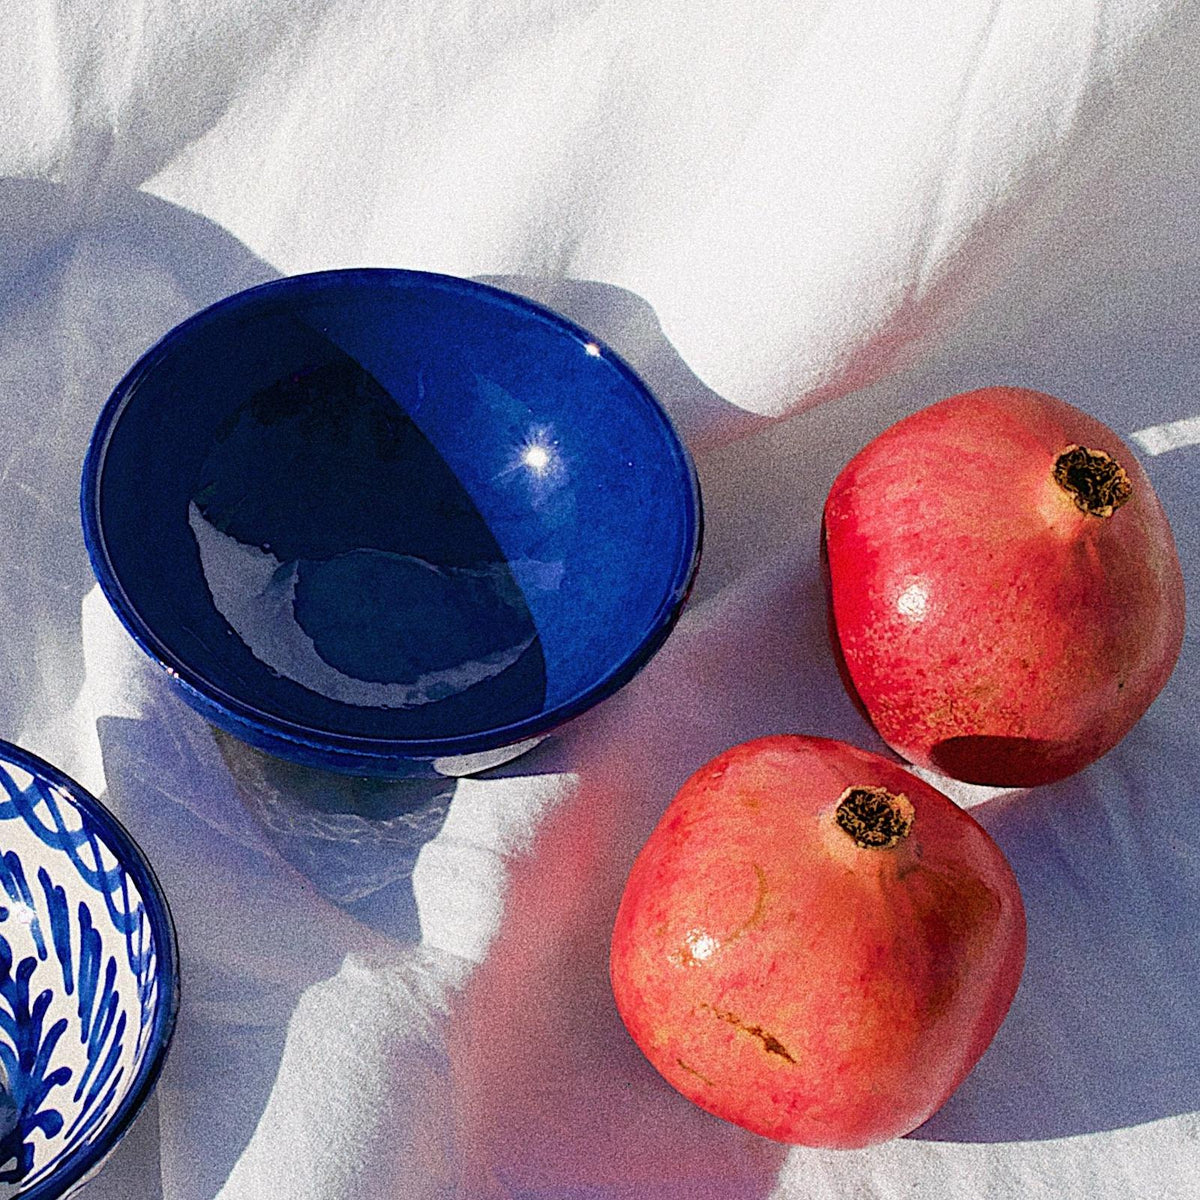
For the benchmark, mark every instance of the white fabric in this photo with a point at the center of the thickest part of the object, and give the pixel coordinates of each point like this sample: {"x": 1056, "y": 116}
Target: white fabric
{"x": 399, "y": 991}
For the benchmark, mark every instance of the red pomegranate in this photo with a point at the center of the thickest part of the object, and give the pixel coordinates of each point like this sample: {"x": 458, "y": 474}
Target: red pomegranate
{"x": 1005, "y": 594}
{"x": 815, "y": 944}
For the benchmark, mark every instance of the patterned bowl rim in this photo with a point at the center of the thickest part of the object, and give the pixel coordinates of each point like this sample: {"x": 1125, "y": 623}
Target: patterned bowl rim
{"x": 84, "y": 1159}
{"x": 504, "y": 733}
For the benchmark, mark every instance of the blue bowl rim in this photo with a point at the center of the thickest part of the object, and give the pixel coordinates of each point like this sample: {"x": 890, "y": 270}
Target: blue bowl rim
{"x": 328, "y": 741}
{"x": 81, "y": 1161}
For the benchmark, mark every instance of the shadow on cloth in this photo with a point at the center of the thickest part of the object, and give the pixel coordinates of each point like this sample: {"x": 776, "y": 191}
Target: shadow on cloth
{"x": 630, "y": 326}
{"x": 84, "y": 288}
{"x": 552, "y": 1096}
{"x": 1105, "y": 1030}
{"x": 356, "y": 840}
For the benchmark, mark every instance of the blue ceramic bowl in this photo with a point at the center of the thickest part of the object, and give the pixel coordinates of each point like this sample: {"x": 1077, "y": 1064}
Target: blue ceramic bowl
{"x": 88, "y": 981}
{"x": 388, "y": 522}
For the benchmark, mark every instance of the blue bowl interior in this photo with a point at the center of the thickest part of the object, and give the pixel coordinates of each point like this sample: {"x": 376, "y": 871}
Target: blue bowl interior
{"x": 88, "y": 985}
{"x": 390, "y": 506}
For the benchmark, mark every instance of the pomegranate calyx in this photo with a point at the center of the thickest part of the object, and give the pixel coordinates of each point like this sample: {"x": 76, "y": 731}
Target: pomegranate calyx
{"x": 1095, "y": 481}
{"x": 874, "y": 817}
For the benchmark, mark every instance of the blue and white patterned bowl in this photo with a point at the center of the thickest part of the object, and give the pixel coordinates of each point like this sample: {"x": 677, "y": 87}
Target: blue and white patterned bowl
{"x": 388, "y": 522}
{"x": 88, "y": 981}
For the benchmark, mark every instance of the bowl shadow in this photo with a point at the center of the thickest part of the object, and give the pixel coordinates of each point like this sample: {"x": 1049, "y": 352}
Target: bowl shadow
{"x": 356, "y": 840}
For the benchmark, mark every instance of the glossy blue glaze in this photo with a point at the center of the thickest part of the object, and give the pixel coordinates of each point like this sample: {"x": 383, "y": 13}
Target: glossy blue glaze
{"x": 88, "y": 981}
{"x": 388, "y": 522}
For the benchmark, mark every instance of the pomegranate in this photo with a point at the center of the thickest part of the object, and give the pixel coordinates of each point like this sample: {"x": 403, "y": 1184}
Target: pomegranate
{"x": 1005, "y": 595}
{"x": 815, "y": 944}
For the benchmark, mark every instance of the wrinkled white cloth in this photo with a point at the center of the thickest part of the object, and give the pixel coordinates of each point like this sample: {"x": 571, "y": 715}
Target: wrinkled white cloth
{"x": 829, "y": 213}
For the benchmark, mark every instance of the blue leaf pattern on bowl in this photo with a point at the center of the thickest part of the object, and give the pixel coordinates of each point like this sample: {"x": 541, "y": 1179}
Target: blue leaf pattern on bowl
{"x": 79, "y": 978}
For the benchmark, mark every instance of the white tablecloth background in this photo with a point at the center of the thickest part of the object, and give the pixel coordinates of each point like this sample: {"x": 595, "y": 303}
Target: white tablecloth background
{"x": 799, "y": 221}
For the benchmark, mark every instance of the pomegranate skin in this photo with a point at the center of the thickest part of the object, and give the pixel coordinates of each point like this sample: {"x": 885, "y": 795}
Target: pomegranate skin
{"x": 988, "y": 625}
{"x": 786, "y": 978}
